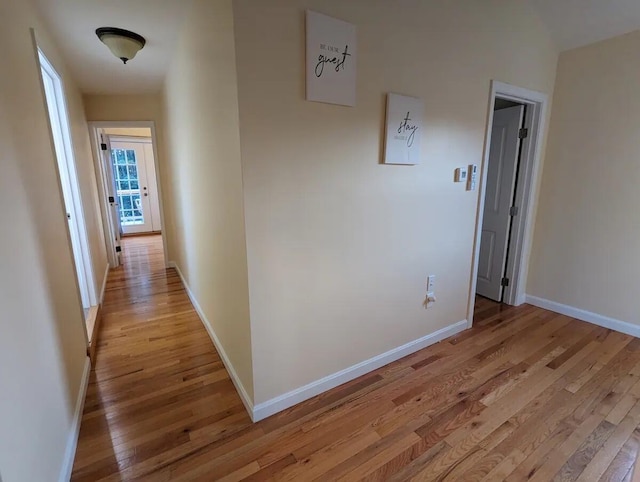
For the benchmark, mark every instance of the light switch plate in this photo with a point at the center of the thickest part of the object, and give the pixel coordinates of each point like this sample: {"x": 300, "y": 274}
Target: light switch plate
{"x": 461, "y": 174}
{"x": 472, "y": 177}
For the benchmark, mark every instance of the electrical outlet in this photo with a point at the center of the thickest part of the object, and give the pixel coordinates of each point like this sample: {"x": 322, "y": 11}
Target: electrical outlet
{"x": 431, "y": 281}
{"x": 430, "y": 300}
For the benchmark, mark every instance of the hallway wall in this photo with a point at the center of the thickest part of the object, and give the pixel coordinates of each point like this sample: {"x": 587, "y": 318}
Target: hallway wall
{"x": 129, "y": 131}
{"x": 203, "y": 147}
{"x": 123, "y": 107}
{"x": 339, "y": 245}
{"x": 42, "y": 335}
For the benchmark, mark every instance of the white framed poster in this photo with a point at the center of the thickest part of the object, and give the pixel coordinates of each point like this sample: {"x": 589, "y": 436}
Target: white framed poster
{"x": 403, "y": 130}
{"x": 331, "y": 60}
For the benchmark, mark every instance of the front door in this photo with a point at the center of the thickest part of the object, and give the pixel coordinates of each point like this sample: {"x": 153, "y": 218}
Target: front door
{"x": 132, "y": 187}
{"x": 501, "y": 181}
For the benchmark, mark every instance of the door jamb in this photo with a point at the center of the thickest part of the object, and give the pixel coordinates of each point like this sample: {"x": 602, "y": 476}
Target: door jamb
{"x": 97, "y": 158}
{"x": 526, "y": 191}
{"x": 102, "y": 179}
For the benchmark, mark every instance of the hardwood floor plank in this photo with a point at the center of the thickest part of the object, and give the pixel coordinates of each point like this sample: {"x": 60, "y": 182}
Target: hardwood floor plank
{"x": 603, "y": 458}
{"x": 623, "y": 462}
{"x": 565, "y": 450}
{"x": 576, "y": 464}
{"x": 531, "y": 464}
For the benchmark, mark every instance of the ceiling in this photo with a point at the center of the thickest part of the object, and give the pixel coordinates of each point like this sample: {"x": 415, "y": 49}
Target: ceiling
{"x": 574, "y": 23}
{"x": 571, "y": 23}
{"x": 94, "y": 67}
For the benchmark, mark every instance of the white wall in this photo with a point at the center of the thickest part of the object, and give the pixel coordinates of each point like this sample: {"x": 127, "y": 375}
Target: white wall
{"x": 201, "y": 112}
{"x": 339, "y": 246}
{"x": 42, "y": 337}
{"x": 587, "y": 228}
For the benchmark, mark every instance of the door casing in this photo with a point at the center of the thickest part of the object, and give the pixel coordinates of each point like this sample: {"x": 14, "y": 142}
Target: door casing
{"x": 526, "y": 191}
{"x": 102, "y": 179}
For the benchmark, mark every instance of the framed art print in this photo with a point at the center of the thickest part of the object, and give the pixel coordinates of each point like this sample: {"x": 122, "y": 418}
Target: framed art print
{"x": 404, "y": 128}
{"x": 331, "y": 60}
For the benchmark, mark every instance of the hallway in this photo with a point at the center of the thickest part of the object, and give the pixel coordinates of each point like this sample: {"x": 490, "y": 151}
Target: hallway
{"x": 157, "y": 379}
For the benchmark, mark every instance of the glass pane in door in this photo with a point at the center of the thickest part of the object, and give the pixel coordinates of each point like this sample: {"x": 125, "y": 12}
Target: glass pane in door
{"x": 125, "y": 169}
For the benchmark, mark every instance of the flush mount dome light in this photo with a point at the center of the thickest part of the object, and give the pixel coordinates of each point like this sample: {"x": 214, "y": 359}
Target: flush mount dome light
{"x": 122, "y": 43}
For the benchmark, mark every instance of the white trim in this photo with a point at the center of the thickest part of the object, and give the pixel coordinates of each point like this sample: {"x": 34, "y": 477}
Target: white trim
{"x": 289, "y": 399}
{"x": 102, "y": 181}
{"x": 72, "y": 440}
{"x": 584, "y": 315}
{"x": 104, "y": 205}
{"x": 60, "y": 129}
{"x": 244, "y": 396}
{"x": 526, "y": 194}
{"x": 104, "y": 284}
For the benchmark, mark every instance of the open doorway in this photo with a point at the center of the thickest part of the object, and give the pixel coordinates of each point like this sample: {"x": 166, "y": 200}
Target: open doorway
{"x": 507, "y": 133}
{"x": 129, "y": 184}
{"x": 70, "y": 188}
{"x": 509, "y": 173}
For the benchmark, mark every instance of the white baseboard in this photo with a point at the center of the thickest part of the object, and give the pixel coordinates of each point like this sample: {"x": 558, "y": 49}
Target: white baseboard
{"x": 104, "y": 284}
{"x": 72, "y": 440}
{"x": 588, "y": 316}
{"x": 289, "y": 399}
{"x": 277, "y": 404}
{"x": 244, "y": 396}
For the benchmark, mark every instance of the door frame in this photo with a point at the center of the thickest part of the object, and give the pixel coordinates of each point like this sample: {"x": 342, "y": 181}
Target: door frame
{"x": 526, "y": 191}
{"x": 102, "y": 179}
{"x": 84, "y": 273}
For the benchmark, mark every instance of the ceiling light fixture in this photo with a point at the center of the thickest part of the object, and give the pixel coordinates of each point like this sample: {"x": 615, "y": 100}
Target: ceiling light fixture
{"x": 122, "y": 43}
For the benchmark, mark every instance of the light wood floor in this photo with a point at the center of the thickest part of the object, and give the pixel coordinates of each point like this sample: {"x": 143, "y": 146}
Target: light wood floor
{"x": 525, "y": 395}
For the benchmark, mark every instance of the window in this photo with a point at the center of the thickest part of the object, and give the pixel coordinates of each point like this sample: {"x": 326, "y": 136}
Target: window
{"x": 125, "y": 170}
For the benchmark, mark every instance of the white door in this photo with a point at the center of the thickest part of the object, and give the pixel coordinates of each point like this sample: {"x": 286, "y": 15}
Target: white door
{"x": 132, "y": 186}
{"x": 501, "y": 179}
{"x": 113, "y": 219}
{"x": 61, "y": 135}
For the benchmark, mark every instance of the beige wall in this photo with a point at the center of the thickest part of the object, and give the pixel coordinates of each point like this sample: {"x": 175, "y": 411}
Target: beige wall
{"x": 42, "y": 338}
{"x": 128, "y": 131}
{"x": 204, "y": 167}
{"x": 123, "y": 108}
{"x": 339, "y": 246}
{"x": 587, "y": 229}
